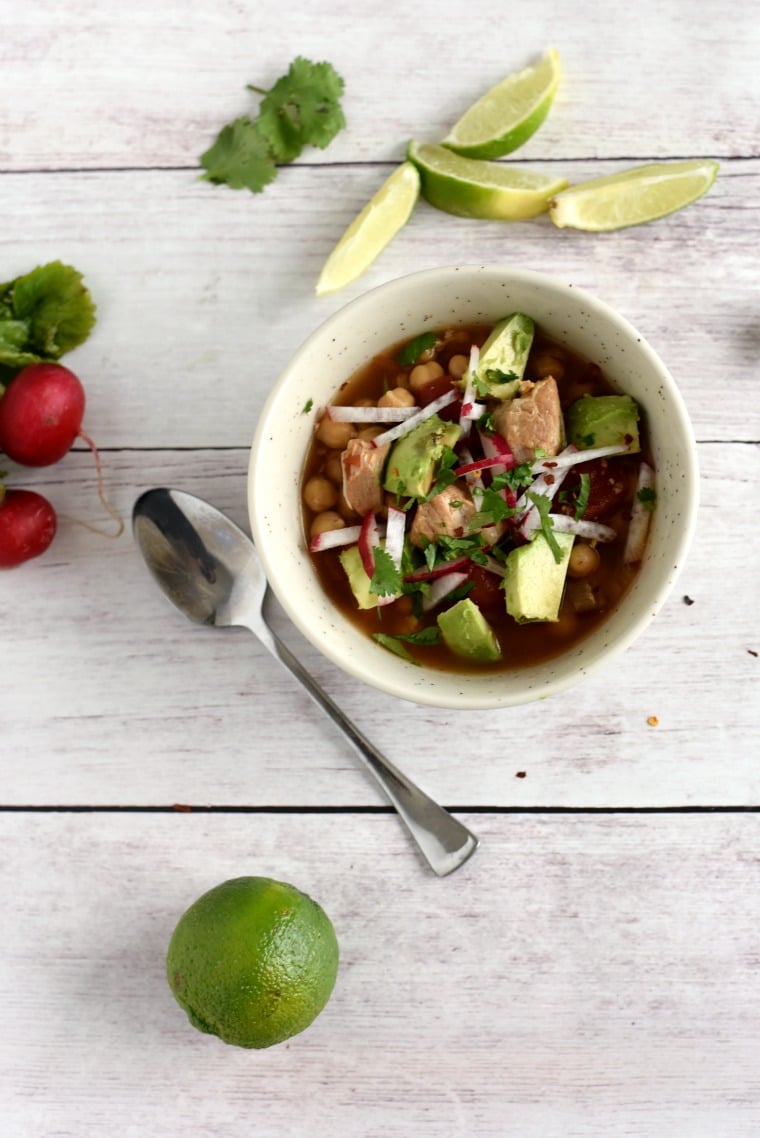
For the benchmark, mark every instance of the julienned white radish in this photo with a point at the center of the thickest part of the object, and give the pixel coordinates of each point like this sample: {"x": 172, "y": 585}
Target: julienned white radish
{"x": 41, "y": 416}
{"x": 641, "y": 514}
{"x": 468, "y": 410}
{"x": 571, "y": 456}
{"x": 333, "y": 538}
{"x": 563, "y": 523}
{"x": 370, "y": 414}
{"x": 438, "y": 571}
{"x": 441, "y": 588}
{"x": 418, "y": 417}
{"x": 394, "y": 535}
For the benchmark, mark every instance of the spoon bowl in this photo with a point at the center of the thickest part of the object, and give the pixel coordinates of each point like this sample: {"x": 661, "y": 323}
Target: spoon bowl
{"x": 209, "y": 569}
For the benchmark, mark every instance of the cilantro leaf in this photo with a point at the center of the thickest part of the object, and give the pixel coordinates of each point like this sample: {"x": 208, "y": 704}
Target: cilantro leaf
{"x": 414, "y": 349}
{"x": 648, "y": 497}
{"x": 445, "y": 475}
{"x": 239, "y": 158}
{"x": 386, "y": 580}
{"x": 43, "y": 314}
{"x": 543, "y": 505}
{"x": 493, "y": 509}
{"x": 395, "y": 646}
{"x": 307, "y": 406}
{"x": 581, "y": 502}
{"x": 302, "y": 108}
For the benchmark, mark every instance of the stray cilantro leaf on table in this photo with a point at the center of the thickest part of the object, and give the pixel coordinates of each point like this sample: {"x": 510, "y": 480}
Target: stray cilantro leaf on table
{"x": 302, "y": 108}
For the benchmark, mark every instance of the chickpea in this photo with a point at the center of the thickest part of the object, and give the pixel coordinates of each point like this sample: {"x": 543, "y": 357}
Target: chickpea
{"x": 334, "y": 468}
{"x": 565, "y": 626}
{"x": 424, "y": 373}
{"x": 335, "y": 435}
{"x": 320, "y": 494}
{"x": 458, "y": 366}
{"x": 584, "y": 559}
{"x": 368, "y": 433}
{"x": 326, "y": 521}
{"x": 396, "y": 397}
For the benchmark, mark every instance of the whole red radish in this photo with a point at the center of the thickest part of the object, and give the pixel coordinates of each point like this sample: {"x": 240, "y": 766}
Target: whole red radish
{"x": 27, "y": 526}
{"x": 41, "y": 414}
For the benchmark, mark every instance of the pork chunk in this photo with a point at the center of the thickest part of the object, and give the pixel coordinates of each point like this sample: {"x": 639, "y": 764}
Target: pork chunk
{"x": 362, "y": 465}
{"x": 531, "y": 420}
{"x": 448, "y": 514}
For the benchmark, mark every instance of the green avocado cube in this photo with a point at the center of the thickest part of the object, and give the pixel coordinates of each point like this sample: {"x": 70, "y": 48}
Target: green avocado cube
{"x": 413, "y": 459}
{"x": 603, "y": 420}
{"x": 534, "y": 581}
{"x": 504, "y": 356}
{"x": 467, "y": 633}
{"x": 351, "y": 560}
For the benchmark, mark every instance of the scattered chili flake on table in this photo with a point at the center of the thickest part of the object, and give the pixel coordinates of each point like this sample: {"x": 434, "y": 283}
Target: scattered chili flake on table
{"x": 520, "y": 774}
{"x": 687, "y": 600}
{"x": 181, "y": 809}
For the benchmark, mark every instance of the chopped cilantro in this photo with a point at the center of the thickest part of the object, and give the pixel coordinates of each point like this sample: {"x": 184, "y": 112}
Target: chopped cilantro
{"x": 493, "y": 509}
{"x": 648, "y": 497}
{"x": 307, "y": 406}
{"x": 445, "y": 475}
{"x": 588, "y": 440}
{"x": 485, "y": 423}
{"x": 581, "y": 501}
{"x": 395, "y": 646}
{"x": 481, "y": 387}
{"x": 303, "y": 107}
{"x": 414, "y": 349}
{"x": 494, "y": 375}
{"x": 543, "y": 505}
{"x": 517, "y": 478}
{"x": 386, "y": 580}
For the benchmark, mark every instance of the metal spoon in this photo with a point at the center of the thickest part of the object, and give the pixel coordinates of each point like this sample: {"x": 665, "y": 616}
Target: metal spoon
{"x": 210, "y": 570}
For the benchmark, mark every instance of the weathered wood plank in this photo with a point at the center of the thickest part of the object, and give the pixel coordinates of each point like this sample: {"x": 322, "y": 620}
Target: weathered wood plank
{"x": 204, "y": 294}
{"x": 579, "y": 976}
{"x": 111, "y": 697}
{"x": 102, "y": 84}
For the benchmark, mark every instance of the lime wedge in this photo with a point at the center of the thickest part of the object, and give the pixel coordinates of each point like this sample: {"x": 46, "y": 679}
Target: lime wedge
{"x": 470, "y": 187}
{"x": 371, "y": 230}
{"x": 507, "y": 115}
{"x": 633, "y": 197}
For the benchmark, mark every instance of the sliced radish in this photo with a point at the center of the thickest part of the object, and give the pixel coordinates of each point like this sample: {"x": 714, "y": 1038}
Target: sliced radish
{"x": 439, "y": 571}
{"x": 370, "y": 414}
{"x": 369, "y": 537}
{"x": 333, "y": 538}
{"x": 479, "y": 464}
{"x": 394, "y": 535}
{"x": 638, "y": 528}
{"x": 496, "y": 445}
{"x": 468, "y": 413}
{"x": 441, "y": 588}
{"x": 419, "y": 416}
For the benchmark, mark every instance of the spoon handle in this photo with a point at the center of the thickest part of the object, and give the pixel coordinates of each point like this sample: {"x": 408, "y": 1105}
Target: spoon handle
{"x": 443, "y": 841}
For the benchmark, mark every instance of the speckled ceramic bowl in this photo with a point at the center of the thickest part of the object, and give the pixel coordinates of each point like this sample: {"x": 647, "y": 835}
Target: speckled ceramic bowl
{"x": 403, "y": 308}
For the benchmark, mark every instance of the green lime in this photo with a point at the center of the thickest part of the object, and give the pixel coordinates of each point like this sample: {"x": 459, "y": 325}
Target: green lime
{"x": 470, "y": 187}
{"x": 642, "y": 194}
{"x": 507, "y": 115}
{"x": 369, "y": 233}
{"x": 253, "y": 961}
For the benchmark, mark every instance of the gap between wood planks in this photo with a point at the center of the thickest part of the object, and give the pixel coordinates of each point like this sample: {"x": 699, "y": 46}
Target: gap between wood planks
{"x": 189, "y": 808}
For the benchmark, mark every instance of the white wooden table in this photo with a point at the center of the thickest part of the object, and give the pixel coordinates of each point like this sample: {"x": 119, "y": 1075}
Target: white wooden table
{"x": 595, "y": 968}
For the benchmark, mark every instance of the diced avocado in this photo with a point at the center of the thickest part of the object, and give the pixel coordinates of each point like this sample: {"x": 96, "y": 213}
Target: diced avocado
{"x": 503, "y": 357}
{"x": 603, "y": 420}
{"x": 412, "y": 462}
{"x": 351, "y": 561}
{"x": 534, "y": 581}
{"x": 467, "y": 633}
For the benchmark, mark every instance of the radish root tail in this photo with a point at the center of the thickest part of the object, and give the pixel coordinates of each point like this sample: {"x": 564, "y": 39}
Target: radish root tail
{"x": 102, "y": 495}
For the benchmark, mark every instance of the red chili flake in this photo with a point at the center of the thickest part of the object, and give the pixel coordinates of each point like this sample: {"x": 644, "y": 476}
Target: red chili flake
{"x": 520, "y": 774}
{"x": 182, "y": 809}
{"x": 653, "y": 721}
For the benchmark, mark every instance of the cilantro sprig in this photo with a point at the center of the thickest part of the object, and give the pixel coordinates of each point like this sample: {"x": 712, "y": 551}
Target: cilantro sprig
{"x": 543, "y": 505}
{"x": 412, "y": 351}
{"x": 301, "y": 109}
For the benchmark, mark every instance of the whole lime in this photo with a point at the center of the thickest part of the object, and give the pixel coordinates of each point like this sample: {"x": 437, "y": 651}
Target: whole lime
{"x": 253, "y": 961}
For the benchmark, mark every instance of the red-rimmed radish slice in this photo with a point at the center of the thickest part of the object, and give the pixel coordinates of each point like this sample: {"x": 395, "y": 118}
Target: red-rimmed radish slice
{"x": 420, "y": 415}
{"x": 494, "y": 445}
{"x": 638, "y": 528}
{"x": 441, "y": 588}
{"x": 439, "y": 571}
{"x": 369, "y": 414}
{"x": 394, "y": 535}
{"x": 369, "y": 537}
{"x": 479, "y": 464}
{"x": 332, "y": 538}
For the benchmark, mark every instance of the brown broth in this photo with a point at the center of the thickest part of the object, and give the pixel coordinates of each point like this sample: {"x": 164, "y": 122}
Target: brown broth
{"x": 522, "y": 644}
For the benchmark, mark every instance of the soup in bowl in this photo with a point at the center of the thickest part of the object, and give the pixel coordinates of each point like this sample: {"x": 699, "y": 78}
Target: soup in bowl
{"x": 472, "y": 486}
